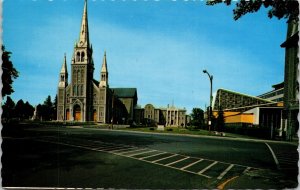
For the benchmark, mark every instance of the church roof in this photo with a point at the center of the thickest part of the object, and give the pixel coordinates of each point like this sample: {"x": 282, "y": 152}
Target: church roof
{"x": 125, "y": 92}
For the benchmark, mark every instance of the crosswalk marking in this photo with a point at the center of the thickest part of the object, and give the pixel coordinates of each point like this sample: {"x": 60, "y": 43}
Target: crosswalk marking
{"x": 225, "y": 171}
{"x": 121, "y": 150}
{"x": 177, "y": 161}
{"x": 185, "y": 167}
{"x": 152, "y": 155}
{"x": 246, "y": 170}
{"x": 131, "y": 151}
{"x": 141, "y": 153}
{"x": 137, "y": 149}
{"x": 211, "y": 165}
{"x": 164, "y": 158}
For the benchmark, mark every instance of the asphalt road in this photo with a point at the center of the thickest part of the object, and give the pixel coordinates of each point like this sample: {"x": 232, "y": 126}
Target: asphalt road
{"x": 90, "y": 158}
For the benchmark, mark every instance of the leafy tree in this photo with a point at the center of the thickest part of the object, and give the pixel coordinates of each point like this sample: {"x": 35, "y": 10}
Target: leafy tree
{"x": 220, "y": 120}
{"x": 197, "y": 117}
{"x": 8, "y": 109}
{"x": 278, "y": 8}
{"x": 19, "y": 109}
{"x": 28, "y": 110}
{"x": 55, "y": 108}
{"x": 9, "y": 73}
{"x": 47, "y": 111}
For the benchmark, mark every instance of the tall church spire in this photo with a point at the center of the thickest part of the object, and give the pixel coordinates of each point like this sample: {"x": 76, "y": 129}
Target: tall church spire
{"x": 104, "y": 73}
{"x": 63, "y": 81}
{"x": 64, "y": 66}
{"x": 84, "y": 30}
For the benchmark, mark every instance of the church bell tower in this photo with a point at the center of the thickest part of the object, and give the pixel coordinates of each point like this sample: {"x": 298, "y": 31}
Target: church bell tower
{"x": 82, "y": 70}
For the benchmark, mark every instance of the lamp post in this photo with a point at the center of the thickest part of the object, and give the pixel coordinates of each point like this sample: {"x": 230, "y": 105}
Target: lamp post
{"x": 210, "y": 100}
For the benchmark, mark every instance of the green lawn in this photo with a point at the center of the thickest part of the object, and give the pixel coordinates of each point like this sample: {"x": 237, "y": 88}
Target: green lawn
{"x": 175, "y": 130}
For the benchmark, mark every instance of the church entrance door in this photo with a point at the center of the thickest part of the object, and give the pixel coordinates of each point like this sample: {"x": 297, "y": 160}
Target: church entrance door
{"x": 95, "y": 115}
{"x": 77, "y": 113}
{"x": 68, "y": 115}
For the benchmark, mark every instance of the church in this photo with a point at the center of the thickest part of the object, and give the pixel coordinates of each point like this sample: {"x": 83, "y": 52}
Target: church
{"x": 85, "y": 98}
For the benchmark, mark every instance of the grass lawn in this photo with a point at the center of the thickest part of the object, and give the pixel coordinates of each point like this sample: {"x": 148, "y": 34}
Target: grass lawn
{"x": 175, "y": 130}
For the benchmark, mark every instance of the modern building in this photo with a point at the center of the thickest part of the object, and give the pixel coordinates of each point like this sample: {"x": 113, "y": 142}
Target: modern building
{"x": 85, "y": 98}
{"x": 250, "y": 111}
{"x": 275, "y": 95}
{"x": 228, "y": 100}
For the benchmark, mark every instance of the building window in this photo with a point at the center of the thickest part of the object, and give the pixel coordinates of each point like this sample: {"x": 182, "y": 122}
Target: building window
{"x": 78, "y": 57}
{"x": 82, "y": 56}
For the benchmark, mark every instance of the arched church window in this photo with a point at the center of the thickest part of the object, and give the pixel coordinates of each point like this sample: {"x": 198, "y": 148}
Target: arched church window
{"x": 82, "y": 56}
{"x": 78, "y": 56}
{"x": 78, "y": 76}
{"x": 81, "y": 90}
{"x": 62, "y": 78}
{"x": 68, "y": 96}
{"x": 82, "y": 75}
{"x": 75, "y": 90}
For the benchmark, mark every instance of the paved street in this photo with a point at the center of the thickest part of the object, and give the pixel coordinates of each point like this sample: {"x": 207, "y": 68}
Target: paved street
{"x": 90, "y": 158}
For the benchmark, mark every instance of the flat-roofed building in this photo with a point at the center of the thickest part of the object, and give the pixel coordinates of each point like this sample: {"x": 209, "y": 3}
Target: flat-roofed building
{"x": 276, "y": 94}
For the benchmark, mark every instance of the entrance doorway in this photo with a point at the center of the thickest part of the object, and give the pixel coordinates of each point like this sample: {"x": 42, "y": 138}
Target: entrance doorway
{"x": 68, "y": 115}
{"x": 77, "y": 113}
{"x": 95, "y": 115}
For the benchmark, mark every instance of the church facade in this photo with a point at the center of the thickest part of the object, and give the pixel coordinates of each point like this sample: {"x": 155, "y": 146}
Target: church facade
{"x": 85, "y": 98}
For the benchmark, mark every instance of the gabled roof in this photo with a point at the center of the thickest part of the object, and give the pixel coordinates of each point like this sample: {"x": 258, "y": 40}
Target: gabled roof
{"x": 125, "y": 92}
{"x": 96, "y": 82}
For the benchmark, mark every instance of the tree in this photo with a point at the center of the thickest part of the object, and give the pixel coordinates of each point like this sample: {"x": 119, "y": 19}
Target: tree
{"x": 54, "y": 108}
{"x": 220, "y": 121}
{"x": 197, "y": 117}
{"x": 46, "y": 111}
{"x": 8, "y": 109}
{"x": 279, "y": 8}
{"x": 19, "y": 110}
{"x": 9, "y": 73}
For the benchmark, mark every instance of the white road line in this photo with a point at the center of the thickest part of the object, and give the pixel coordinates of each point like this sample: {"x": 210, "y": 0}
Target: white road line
{"x": 164, "y": 158}
{"x": 211, "y": 165}
{"x": 225, "y": 171}
{"x": 122, "y": 150}
{"x": 132, "y": 151}
{"x": 141, "y": 153}
{"x": 153, "y": 155}
{"x": 274, "y": 156}
{"x": 177, "y": 161}
{"x": 109, "y": 149}
{"x": 191, "y": 164}
{"x": 246, "y": 170}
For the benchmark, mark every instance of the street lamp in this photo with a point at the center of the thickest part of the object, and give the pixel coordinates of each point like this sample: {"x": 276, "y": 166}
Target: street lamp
{"x": 210, "y": 100}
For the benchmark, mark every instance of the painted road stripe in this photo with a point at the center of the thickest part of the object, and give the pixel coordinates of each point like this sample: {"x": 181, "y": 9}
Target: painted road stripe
{"x": 225, "y": 171}
{"x": 177, "y": 161}
{"x": 121, "y": 150}
{"x": 274, "y": 156}
{"x": 109, "y": 149}
{"x": 211, "y": 165}
{"x": 185, "y": 167}
{"x": 246, "y": 170}
{"x": 153, "y": 155}
{"x": 141, "y": 153}
{"x": 164, "y": 158}
{"x": 138, "y": 149}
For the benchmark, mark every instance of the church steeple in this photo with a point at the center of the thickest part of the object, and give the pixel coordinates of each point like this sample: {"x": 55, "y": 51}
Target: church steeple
{"x": 84, "y": 30}
{"x": 104, "y": 73}
{"x": 63, "y": 81}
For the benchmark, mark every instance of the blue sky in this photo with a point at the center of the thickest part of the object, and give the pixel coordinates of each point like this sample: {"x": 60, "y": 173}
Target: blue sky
{"x": 159, "y": 47}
